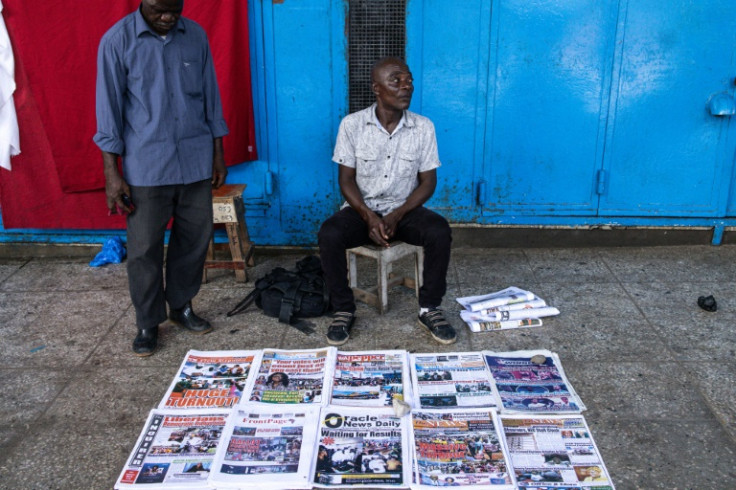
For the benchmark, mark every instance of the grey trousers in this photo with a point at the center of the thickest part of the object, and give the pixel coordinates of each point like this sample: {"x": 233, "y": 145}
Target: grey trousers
{"x": 190, "y": 207}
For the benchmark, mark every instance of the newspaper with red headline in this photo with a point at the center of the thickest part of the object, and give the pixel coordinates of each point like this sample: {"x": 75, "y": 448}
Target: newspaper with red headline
{"x": 554, "y": 451}
{"x": 175, "y": 450}
{"x": 211, "y": 379}
{"x": 293, "y": 376}
{"x": 460, "y": 447}
{"x": 267, "y": 446}
{"x": 371, "y": 378}
{"x": 451, "y": 380}
{"x": 532, "y": 381}
{"x": 359, "y": 447}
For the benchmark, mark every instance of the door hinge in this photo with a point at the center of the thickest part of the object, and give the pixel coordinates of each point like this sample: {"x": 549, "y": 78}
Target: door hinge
{"x": 480, "y": 196}
{"x": 602, "y": 182}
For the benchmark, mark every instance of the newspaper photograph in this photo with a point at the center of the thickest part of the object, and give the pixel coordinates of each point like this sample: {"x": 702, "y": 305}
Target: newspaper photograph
{"x": 359, "y": 448}
{"x": 532, "y": 381}
{"x": 554, "y": 452}
{"x": 294, "y": 376}
{"x": 460, "y": 448}
{"x": 174, "y": 450}
{"x": 371, "y": 378}
{"x": 451, "y": 380}
{"x": 267, "y": 447}
{"x": 210, "y": 379}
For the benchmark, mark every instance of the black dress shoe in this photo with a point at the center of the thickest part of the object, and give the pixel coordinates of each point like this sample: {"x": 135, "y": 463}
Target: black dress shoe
{"x": 185, "y": 317}
{"x": 146, "y": 341}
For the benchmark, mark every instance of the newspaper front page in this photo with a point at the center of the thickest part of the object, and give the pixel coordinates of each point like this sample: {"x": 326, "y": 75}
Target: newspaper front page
{"x": 294, "y": 376}
{"x": 371, "y": 378}
{"x": 174, "y": 450}
{"x": 361, "y": 448}
{"x": 554, "y": 452}
{"x": 267, "y": 447}
{"x": 462, "y": 447}
{"x": 451, "y": 380}
{"x": 210, "y": 379}
{"x": 532, "y": 381}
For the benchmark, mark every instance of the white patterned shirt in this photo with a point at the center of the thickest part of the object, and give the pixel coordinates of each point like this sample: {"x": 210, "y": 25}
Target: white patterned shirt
{"x": 386, "y": 165}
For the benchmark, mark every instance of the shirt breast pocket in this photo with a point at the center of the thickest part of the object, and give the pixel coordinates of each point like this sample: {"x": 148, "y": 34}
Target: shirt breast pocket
{"x": 191, "y": 78}
{"x": 408, "y": 163}
{"x": 366, "y": 161}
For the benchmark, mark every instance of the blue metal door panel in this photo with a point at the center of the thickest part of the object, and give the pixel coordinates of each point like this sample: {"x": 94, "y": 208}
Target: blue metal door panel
{"x": 447, "y": 51}
{"x": 550, "y": 79}
{"x": 308, "y": 70}
{"x": 667, "y": 155}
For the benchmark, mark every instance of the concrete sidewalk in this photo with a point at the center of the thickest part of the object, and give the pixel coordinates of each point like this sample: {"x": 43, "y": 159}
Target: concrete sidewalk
{"x": 656, "y": 372}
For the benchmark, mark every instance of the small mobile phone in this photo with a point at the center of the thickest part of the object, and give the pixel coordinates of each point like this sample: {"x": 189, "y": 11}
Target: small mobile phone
{"x": 128, "y": 203}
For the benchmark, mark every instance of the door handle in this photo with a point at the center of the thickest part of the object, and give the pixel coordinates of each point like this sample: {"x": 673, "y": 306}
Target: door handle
{"x": 722, "y": 104}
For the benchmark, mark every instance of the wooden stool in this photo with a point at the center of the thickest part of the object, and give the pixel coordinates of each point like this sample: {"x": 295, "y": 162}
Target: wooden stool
{"x": 384, "y": 257}
{"x": 227, "y": 207}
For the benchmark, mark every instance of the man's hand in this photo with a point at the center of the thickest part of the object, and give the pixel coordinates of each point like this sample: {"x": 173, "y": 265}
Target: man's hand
{"x": 390, "y": 222}
{"x": 115, "y": 186}
{"x": 377, "y": 229}
{"x": 219, "y": 170}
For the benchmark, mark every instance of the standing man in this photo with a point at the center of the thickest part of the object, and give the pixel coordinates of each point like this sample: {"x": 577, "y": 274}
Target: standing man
{"x": 158, "y": 108}
{"x": 387, "y": 160}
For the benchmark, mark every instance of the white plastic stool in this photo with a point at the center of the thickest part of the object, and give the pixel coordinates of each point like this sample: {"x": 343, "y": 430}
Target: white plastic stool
{"x": 384, "y": 257}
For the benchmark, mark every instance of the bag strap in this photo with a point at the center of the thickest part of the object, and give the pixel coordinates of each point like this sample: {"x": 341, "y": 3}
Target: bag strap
{"x": 245, "y": 303}
{"x": 290, "y": 303}
{"x": 261, "y": 285}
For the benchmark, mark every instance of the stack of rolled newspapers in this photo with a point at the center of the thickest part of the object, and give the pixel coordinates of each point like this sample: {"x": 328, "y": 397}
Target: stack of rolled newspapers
{"x": 509, "y": 308}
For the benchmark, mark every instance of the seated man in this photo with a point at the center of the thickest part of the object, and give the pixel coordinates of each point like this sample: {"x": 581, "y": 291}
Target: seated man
{"x": 387, "y": 160}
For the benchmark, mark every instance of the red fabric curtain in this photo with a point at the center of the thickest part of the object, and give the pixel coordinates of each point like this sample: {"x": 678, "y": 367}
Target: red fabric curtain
{"x": 57, "y": 180}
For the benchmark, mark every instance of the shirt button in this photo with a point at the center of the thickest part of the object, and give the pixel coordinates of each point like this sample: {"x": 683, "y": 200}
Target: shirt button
{"x": 386, "y": 176}
{"x": 389, "y": 156}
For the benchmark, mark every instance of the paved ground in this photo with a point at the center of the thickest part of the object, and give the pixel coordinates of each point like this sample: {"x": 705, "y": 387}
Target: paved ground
{"x": 656, "y": 372}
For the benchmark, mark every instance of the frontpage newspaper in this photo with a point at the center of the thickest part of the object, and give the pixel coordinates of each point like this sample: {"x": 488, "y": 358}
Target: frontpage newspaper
{"x": 267, "y": 447}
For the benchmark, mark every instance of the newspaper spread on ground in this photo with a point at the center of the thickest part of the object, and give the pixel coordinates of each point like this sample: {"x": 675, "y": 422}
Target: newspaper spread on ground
{"x": 461, "y": 447}
{"x": 554, "y": 451}
{"x": 174, "y": 450}
{"x": 267, "y": 446}
{"x": 211, "y": 379}
{"x": 532, "y": 381}
{"x": 294, "y": 376}
{"x": 450, "y": 380}
{"x": 371, "y": 378}
{"x": 360, "y": 448}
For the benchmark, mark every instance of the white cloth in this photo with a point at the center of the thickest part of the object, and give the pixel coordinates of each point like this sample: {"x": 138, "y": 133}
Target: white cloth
{"x": 9, "y": 138}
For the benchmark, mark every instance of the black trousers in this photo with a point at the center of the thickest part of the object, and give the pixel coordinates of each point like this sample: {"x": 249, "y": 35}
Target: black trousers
{"x": 346, "y": 229}
{"x": 190, "y": 206}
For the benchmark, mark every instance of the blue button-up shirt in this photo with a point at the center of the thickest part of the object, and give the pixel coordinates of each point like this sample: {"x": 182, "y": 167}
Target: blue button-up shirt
{"x": 158, "y": 105}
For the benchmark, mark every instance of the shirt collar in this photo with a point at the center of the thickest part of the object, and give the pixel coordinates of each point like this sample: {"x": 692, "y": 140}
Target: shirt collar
{"x": 142, "y": 26}
{"x": 407, "y": 119}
